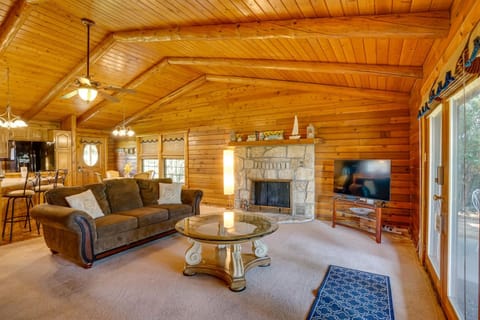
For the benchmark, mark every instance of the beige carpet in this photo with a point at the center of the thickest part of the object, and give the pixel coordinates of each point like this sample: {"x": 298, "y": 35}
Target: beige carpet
{"x": 147, "y": 282}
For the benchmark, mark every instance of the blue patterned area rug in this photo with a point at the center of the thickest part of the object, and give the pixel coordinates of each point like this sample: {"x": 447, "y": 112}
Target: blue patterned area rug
{"x": 352, "y": 294}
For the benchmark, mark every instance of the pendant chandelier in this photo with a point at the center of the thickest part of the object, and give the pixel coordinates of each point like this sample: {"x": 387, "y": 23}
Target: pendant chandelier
{"x": 122, "y": 131}
{"x": 8, "y": 119}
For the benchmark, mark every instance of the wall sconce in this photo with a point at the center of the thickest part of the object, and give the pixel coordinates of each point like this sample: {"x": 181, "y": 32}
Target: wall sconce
{"x": 228, "y": 174}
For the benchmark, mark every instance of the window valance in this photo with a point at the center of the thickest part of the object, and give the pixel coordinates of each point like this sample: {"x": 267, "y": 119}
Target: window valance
{"x": 462, "y": 66}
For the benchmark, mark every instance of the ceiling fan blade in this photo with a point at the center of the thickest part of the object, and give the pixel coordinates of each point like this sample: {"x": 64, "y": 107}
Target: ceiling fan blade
{"x": 108, "y": 97}
{"x": 69, "y": 95}
{"x": 84, "y": 81}
{"x": 120, "y": 89}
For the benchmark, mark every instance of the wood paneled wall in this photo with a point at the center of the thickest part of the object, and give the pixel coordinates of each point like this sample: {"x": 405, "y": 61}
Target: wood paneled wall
{"x": 465, "y": 15}
{"x": 348, "y": 128}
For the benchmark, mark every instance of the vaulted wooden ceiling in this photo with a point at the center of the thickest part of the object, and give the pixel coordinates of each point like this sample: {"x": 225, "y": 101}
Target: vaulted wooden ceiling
{"x": 166, "y": 49}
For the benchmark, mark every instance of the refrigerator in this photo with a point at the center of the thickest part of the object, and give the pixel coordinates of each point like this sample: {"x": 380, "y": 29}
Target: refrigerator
{"x": 35, "y": 155}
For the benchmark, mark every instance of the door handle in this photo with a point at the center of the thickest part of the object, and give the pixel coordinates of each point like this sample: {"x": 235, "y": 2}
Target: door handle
{"x": 437, "y": 197}
{"x": 439, "y": 178}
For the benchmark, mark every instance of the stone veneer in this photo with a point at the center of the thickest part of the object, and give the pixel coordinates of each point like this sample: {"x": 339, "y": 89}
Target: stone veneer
{"x": 288, "y": 162}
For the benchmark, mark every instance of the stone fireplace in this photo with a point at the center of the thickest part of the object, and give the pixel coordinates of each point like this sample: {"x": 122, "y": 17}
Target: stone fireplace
{"x": 293, "y": 164}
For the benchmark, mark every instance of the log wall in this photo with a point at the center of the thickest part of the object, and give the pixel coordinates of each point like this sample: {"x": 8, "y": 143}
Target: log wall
{"x": 348, "y": 128}
{"x": 465, "y": 15}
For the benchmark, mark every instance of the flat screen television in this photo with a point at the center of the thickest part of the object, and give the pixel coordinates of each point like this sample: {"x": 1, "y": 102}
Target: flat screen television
{"x": 363, "y": 178}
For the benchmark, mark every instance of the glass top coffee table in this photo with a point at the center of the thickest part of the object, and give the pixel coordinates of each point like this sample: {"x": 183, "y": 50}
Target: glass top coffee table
{"x": 227, "y": 232}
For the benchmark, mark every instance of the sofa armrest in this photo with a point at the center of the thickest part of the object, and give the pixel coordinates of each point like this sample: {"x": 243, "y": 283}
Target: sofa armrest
{"x": 61, "y": 217}
{"x": 193, "y": 198}
{"x": 66, "y": 220}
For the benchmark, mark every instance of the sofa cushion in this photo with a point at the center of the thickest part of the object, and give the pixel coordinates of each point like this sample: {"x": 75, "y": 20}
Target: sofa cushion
{"x": 147, "y": 215}
{"x": 170, "y": 193}
{"x": 113, "y": 224}
{"x": 57, "y": 196}
{"x": 123, "y": 194}
{"x": 86, "y": 202}
{"x": 149, "y": 189}
{"x": 175, "y": 210}
{"x": 99, "y": 191}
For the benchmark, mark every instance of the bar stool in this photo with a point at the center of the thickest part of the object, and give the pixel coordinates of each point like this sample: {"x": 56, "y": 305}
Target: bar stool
{"x": 60, "y": 178}
{"x": 12, "y": 196}
{"x": 44, "y": 181}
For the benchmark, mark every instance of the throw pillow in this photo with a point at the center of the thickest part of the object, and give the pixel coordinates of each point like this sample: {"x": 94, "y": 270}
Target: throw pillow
{"x": 170, "y": 193}
{"x": 85, "y": 201}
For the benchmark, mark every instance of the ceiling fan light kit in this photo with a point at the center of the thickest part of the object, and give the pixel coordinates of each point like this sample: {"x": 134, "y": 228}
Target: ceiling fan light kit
{"x": 87, "y": 94}
{"x": 87, "y": 88}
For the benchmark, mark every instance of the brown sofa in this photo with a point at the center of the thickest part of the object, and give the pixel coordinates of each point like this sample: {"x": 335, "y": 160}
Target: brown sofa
{"x": 132, "y": 216}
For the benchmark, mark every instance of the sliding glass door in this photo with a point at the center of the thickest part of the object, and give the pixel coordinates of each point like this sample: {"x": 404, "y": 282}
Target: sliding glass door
{"x": 464, "y": 202}
{"x": 435, "y": 183}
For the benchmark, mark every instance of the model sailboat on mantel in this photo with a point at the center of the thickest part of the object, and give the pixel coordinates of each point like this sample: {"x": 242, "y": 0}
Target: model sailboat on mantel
{"x": 295, "y": 134}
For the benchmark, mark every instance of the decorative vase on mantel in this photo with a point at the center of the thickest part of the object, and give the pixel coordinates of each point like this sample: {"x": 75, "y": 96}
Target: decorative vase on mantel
{"x": 295, "y": 134}
{"x": 310, "y": 131}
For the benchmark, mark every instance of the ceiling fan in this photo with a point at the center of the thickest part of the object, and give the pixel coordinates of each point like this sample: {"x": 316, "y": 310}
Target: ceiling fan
{"x": 87, "y": 88}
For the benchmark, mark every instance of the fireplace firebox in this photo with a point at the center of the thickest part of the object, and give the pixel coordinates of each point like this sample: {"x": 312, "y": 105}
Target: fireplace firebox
{"x": 272, "y": 196}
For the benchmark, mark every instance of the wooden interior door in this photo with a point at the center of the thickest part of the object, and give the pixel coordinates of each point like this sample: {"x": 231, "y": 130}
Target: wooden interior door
{"x": 91, "y": 158}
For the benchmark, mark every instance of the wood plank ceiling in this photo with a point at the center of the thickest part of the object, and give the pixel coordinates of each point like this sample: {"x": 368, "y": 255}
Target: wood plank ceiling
{"x": 165, "y": 49}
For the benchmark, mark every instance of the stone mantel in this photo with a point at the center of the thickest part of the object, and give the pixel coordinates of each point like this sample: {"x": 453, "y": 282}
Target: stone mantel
{"x": 292, "y": 160}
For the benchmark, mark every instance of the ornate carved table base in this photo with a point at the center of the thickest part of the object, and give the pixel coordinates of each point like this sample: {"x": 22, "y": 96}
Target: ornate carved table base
{"x": 228, "y": 263}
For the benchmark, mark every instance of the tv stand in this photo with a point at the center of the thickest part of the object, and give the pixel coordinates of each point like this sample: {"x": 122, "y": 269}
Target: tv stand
{"x": 352, "y": 212}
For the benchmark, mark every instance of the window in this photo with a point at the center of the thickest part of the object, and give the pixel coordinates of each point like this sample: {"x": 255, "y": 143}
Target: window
{"x": 165, "y": 154}
{"x": 464, "y": 211}
{"x": 174, "y": 163}
{"x": 150, "y": 164}
{"x": 90, "y": 154}
{"x": 175, "y": 169}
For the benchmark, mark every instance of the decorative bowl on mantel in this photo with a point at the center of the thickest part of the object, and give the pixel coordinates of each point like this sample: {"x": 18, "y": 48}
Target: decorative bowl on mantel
{"x": 273, "y": 135}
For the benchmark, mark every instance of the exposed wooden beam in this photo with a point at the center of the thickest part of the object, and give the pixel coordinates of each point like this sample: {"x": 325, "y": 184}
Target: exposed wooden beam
{"x": 306, "y": 66}
{"x": 313, "y": 87}
{"x": 168, "y": 98}
{"x": 159, "y": 67}
{"x": 406, "y": 25}
{"x": 96, "y": 54}
{"x": 12, "y": 23}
